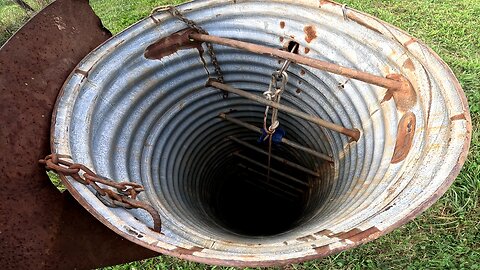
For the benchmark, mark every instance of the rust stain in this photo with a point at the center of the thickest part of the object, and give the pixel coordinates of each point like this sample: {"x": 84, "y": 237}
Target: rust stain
{"x": 298, "y": 91}
{"x": 281, "y": 39}
{"x": 364, "y": 234}
{"x": 307, "y": 50}
{"x": 307, "y": 238}
{"x": 408, "y": 64}
{"x": 388, "y": 95}
{"x": 406, "y": 131}
{"x": 325, "y": 2}
{"x": 324, "y": 232}
{"x": 310, "y": 33}
{"x": 458, "y": 117}
{"x": 405, "y": 97}
{"x": 173, "y": 43}
{"x": 185, "y": 251}
{"x": 412, "y": 40}
{"x": 356, "y": 19}
{"x": 322, "y": 249}
{"x": 302, "y": 72}
{"x": 282, "y": 24}
{"x": 347, "y": 235}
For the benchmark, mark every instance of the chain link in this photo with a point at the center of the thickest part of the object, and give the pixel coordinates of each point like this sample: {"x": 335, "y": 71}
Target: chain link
{"x": 124, "y": 195}
{"x": 277, "y": 86}
{"x": 274, "y": 93}
{"x": 211, "y": 52}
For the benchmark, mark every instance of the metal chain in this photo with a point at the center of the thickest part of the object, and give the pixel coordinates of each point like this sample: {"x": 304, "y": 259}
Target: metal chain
{"x": 125, "y": 195}
{"x": 211, "y": 52}
{"x": 277, "y": 86}
{"x": 274, "y": 93}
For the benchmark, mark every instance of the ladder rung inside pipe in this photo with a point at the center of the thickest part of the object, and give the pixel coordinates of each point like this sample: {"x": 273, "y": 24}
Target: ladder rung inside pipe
{"x": 272, "y": 179}
{"x": 268, "y": 188}
{"x": 284, "y": 175}
{"x": 282, "y": 160}
{"x": 353, "y": 133}
{"x": 262, "y": 183}
{"x": 284, "y": 140}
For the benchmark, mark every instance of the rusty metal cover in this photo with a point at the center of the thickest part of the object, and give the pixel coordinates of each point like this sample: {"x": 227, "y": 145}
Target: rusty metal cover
{"x": 41, "y": 228}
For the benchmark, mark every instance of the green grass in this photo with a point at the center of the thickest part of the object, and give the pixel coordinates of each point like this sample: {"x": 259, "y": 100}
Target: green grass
{"x": 12, "y": 16}
{"x": 446, "y": 236}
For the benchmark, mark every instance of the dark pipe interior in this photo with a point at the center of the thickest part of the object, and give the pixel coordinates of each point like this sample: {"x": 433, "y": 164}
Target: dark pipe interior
{"x": 245, "y": 203}
{"x": 248, "y": 203}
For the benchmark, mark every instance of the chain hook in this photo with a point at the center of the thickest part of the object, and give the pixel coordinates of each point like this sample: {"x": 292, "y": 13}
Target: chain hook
{"x": 211, "y": 52}
{"x": 125, "y": 196}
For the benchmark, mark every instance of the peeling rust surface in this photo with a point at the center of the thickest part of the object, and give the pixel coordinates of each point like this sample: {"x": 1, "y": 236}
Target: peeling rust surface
{"x": 41, "y": 228}
{"x": 406, "y": 132}
{"x": 324, "y": 233}
{"x": 364, "y": 234}
{"x": 347, "y": 235}
{"x": 307, "y": 238}
{"x": 189, "y": 251}
{"x": 323, "y": 249}
{"x": 173, "y": 43}
{"x": 356, "y": 19}
{"x": 326, "y": 2}
{"x": 408, "y": 64}
{"x": 411, "y": 41}
{"x": 405, "y": 97}
{"x": 310, "y": 33}
{"x": 458, "y": 117}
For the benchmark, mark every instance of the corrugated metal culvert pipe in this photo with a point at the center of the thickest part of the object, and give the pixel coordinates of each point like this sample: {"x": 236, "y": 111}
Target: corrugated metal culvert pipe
{"x": 138, "y": 109}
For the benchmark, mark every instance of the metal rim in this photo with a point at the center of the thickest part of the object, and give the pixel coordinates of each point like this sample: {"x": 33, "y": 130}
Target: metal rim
{"x": 360, "y": 237}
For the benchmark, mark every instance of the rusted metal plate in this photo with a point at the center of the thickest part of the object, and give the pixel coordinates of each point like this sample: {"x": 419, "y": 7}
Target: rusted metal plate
{"x": 405, "y": 133}
{"x": 173, "y": 43}
{"x": 41, "y": 228}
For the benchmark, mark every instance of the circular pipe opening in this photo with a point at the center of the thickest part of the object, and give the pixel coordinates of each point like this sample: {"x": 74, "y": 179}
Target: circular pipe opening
{"x": 153, "y": 121}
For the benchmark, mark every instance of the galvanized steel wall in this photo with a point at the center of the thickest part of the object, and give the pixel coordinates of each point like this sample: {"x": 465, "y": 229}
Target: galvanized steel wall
{"x": 154, "y": 122}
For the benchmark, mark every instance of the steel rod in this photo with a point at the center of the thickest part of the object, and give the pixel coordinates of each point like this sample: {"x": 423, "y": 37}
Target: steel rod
{"x": 284, "y": 140}
{"x": 307, "y": 150}
{"x": 300, "y": 59}
{"x": 282, "y": 160}
{"x": 273, "y": 179}
{"x": 353, "y": 133}
{"x": 259, "y": 182}
{"x": 276, "y": 191}
{"x": 274, "y": 171}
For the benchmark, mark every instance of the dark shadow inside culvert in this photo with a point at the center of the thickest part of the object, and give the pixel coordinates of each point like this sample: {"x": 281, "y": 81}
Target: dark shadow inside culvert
{"x": 249, "y": 203}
